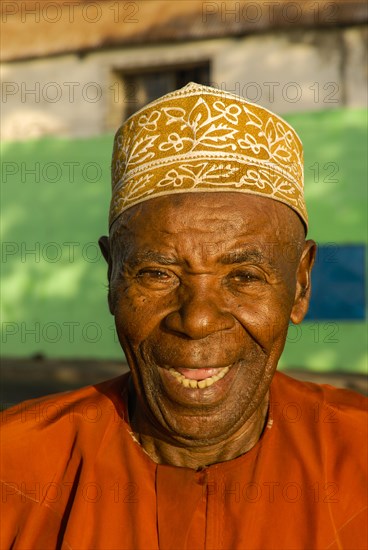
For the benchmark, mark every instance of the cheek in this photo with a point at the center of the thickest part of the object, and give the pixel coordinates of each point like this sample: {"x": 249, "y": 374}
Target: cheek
{"x": 265, "y": 317}
{"x": 136, "y": 313}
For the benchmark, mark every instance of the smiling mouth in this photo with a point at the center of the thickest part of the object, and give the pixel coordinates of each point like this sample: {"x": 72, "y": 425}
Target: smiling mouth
{"x": 198, "y": 378}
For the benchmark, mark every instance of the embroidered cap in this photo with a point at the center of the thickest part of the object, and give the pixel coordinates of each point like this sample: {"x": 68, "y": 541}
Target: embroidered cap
{"x": 200, "y": 139}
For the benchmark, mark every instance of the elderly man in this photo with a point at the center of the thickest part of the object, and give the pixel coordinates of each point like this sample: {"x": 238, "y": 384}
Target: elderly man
{"x": 202, "y": 445}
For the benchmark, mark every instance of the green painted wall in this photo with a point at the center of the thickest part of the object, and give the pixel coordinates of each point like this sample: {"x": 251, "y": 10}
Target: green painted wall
{"x": 55, "y": 197}
{"x": 335, "y": 145}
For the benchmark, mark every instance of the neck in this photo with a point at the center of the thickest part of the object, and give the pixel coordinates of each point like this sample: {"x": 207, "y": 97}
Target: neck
{"x": 167, "y": 451}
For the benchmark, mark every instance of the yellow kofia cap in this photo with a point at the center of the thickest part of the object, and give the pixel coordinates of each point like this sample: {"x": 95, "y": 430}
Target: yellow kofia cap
{"x": 201, "y": 139}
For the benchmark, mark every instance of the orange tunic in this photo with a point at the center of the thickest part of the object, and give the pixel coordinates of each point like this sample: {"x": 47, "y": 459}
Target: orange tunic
{"x": 74, "y": 478}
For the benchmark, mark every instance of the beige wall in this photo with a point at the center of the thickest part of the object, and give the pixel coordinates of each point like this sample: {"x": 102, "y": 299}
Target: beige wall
{"x": 287, "y": 72}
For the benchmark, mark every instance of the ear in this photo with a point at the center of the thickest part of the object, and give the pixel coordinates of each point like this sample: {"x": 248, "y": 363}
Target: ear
{"x": 105, "y": 250}
{"x": 303, "y": 283}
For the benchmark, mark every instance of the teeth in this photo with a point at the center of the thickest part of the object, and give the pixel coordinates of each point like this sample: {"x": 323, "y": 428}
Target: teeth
{"x": 188, "y": 383}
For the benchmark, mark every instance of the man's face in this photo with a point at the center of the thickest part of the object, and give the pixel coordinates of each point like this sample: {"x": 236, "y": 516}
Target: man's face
{"x": 202, "y": 288}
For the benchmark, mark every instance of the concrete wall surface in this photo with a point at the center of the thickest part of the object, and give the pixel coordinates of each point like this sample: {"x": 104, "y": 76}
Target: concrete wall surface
{"x": 286, "y": 71}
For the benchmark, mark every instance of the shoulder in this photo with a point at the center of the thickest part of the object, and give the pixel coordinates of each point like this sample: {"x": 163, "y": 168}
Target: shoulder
{"x": 323, "y": 431}
{"x": 47, "y": 445}
{"x": 39, "y": 431}
{"x": 322, "y": 422}
{"x": 312, "y": 397}
{"x": 72, "y": 407}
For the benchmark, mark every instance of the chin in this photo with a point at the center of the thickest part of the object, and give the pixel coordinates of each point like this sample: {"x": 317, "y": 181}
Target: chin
{"x": 193, "y": 416}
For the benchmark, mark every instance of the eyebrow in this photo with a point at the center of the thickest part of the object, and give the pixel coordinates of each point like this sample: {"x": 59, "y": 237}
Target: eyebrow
{"x": 242, "y": 256}
{"x": 151, "y": 256}
{"x": 229, "y": 258}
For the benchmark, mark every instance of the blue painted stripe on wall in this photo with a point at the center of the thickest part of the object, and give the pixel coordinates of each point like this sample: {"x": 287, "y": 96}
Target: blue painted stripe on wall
{"x": 338, "y": 283}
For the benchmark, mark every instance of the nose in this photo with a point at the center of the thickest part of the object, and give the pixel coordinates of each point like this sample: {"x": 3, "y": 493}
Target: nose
{"x": 199, "y": 313}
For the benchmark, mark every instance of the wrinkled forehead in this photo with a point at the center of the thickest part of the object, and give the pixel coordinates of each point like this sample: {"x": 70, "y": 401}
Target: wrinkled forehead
{"x": 208, "y": 217}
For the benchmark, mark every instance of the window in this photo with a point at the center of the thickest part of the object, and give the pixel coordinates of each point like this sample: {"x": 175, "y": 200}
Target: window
{"x": 143, "y": 86}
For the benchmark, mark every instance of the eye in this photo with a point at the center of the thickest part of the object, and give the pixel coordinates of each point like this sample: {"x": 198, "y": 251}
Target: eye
{"x": 156, "y": 278}
{"x": 154, "y": 273}
{"x": 244, "y": 276}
